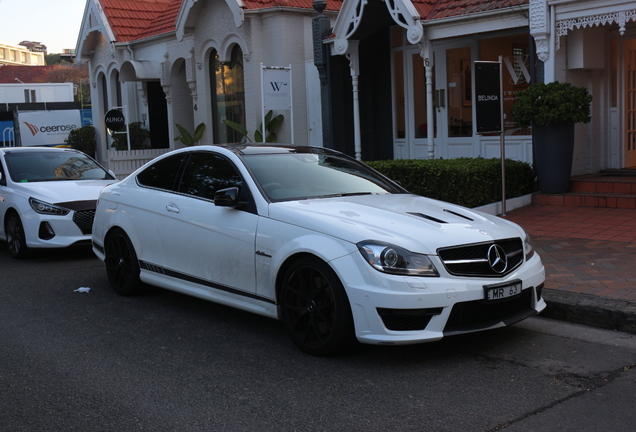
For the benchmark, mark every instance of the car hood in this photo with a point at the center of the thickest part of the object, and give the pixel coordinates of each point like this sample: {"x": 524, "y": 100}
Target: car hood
{"x": 62, "y": 191}
{"x": 416, "y": 223}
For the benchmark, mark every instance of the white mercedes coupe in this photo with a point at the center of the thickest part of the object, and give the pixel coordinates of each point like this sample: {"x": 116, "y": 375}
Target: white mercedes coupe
{"x": 314, "y": 238}
{"x": 48, "y": 197}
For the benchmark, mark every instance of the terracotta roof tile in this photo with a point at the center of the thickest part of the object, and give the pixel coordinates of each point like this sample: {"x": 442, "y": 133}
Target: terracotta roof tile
{"x": 132, "y": 19}
{"x": 26, "y": 74}
{"x": 453, "y": 8}
{"x": 332, "y": 5}
{"x": 136, "y": 19}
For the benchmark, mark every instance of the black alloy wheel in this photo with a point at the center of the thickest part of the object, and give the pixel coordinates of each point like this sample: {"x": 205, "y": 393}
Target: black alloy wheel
{"x": 121, "y": 262}
{"x": 15, "y": 236}
{"x": 315, "y": 308}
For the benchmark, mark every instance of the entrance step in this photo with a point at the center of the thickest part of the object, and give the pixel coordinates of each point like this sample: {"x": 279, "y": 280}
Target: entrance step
{"x": 607, "y": 189}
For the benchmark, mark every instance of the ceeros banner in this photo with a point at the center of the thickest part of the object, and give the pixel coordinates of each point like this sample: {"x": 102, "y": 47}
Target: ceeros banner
{"x": 47, "y": 128}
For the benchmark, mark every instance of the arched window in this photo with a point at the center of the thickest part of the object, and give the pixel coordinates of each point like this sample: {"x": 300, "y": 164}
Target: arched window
{"x": 228, "y": 95}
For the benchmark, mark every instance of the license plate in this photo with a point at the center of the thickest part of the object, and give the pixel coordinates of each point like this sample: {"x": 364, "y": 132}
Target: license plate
{"x": 498, "y": 292}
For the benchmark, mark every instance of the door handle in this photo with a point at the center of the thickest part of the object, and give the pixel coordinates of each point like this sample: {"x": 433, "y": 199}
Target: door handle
{"x": 172, "y": 208}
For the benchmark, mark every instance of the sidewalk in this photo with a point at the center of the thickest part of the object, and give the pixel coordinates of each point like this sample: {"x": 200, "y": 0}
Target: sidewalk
{"x": 589, "y": 254}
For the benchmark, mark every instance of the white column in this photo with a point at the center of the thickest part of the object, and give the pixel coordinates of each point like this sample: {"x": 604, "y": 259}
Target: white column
{"x": 354, "y": 66}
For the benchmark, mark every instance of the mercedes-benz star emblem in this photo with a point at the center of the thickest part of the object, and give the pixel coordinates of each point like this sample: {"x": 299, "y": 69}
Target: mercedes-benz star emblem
{"x": 497, "y": 259}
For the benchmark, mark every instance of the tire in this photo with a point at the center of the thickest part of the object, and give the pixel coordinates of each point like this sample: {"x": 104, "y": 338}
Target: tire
{"x": 315, "y": 308}
{"x": 122, "y": 266}
{"x": 16, "y": 239}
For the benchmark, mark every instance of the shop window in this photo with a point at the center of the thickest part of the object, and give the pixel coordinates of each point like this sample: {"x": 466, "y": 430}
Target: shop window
{"x": 228, "y": 95}
{"x": 460, "y": 103}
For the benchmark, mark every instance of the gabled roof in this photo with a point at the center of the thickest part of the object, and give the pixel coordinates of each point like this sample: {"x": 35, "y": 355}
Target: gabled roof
{"x": 26, "y": 74}
{"x": 136, "y": 19}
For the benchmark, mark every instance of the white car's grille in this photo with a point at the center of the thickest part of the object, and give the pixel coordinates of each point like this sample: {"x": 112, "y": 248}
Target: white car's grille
{"x": 84, "y": 220}
{"x": 477, "y": 259}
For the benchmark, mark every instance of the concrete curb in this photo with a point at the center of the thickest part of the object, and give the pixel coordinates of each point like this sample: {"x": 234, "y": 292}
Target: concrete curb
{"x": 590, "y": 310}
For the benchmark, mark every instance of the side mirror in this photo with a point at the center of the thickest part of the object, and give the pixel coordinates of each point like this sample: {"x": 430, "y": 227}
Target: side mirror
{"x": 226, "y": 197}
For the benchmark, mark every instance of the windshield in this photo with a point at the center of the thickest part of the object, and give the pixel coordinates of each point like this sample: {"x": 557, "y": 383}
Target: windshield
{"x": 53, "y": 166}
{"x": 295, "y": 176}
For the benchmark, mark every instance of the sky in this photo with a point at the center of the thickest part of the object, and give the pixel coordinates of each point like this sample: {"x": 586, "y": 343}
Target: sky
{"x": 55, "y": 23}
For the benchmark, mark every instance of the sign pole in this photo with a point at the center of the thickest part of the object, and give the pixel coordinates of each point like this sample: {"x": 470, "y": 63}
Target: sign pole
{"x": 503, "y": 143}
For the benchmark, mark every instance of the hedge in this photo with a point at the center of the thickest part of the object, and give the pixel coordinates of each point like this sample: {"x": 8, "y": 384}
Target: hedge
{"x": 465, "y": 181}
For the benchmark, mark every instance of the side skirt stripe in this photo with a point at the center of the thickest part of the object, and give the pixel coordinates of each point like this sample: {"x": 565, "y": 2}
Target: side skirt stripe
{"x": 162, "y": 270}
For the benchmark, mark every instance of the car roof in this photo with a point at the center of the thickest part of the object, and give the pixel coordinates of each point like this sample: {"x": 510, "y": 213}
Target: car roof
{"x": 36, "y": 149}
{"x": 253, "y": 149}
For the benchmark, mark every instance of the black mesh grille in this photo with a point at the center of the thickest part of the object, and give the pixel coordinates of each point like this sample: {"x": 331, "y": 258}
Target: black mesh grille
{"x": 84, "y": 220}
{"x": 475, "y": 315}
{"x": 407, "y": 319}
{"x": 472, "y": 260}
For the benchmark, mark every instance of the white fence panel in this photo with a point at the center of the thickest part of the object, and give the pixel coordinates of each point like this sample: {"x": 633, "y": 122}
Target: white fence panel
{"x": 125, "y": 162}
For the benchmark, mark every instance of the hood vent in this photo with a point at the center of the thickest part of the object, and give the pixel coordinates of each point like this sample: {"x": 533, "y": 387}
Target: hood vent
{"x": 458, "y": 214}
{"x": 431, "y": 218}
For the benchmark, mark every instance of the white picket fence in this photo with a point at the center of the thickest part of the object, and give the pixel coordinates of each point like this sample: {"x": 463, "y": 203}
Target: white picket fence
{"x": 125, "y": 162}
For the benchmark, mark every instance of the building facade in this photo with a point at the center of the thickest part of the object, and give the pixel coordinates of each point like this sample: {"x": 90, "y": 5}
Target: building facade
{"x": 397, "y": 82}
{"x": 18, "y": 55}
{"x": 411, "y": 66}
{"x": 189, "y": 62}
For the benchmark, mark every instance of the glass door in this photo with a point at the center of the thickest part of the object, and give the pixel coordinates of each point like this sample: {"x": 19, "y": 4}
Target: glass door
{"x": 410, "y": 137}
{"x": 454, "y": 108}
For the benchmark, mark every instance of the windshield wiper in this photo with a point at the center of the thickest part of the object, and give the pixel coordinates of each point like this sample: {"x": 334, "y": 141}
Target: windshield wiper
{"x": 346, "y": 194}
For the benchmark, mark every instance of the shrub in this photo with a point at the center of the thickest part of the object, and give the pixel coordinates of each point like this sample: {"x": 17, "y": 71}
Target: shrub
{"x": 551, "y": 103}
{"x": 464, "y": 181}
{"x": 83, "y": 139}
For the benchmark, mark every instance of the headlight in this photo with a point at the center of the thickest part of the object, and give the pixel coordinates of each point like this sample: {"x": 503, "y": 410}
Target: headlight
{"x": 528, "y": 248}
{"x": 46, "y": 208}
{"x": 392, "y": 259}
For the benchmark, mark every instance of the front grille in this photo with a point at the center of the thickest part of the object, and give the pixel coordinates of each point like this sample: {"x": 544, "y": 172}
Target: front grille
{"x": 407, "y": 319}
{"x": 472, "y": 260}
{"x": 476, "y": 315}
{"x": 84, "y": 220}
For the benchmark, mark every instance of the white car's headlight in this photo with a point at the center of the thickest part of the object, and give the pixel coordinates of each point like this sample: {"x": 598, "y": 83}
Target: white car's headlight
{"x": 46, "y": 208}
{"x": 528, "y": 249}
{"x": 392, "y": 259}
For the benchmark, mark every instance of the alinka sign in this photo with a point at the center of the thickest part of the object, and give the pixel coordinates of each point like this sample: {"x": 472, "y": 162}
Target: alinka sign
{"x": 114, "y": 120}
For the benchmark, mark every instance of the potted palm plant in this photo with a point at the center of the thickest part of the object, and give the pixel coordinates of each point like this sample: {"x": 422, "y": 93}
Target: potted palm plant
{"x": 552, "y": 110}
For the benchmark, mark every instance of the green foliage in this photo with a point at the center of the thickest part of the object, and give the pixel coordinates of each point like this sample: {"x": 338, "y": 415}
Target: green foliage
{"x": 271, "y": 125}
{"x": 467, "y": 182}
{"x": 552, "y": 103}
{"x": 138, "y": 134}
{"x": 83, "y": 139}
{"x": 188, "y": 139}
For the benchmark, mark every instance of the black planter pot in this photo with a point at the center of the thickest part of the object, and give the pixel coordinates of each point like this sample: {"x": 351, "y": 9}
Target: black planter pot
{"x": 552, "y": 148}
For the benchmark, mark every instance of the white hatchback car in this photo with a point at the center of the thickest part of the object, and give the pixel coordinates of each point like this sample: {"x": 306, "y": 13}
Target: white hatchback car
{"x": 48, "y": 197}
{"x": 316, "y": 239}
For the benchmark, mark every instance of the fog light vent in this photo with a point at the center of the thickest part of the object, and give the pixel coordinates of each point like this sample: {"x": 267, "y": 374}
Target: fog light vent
{"x": 46, "y": 231}
{"x": 407, "y": 319}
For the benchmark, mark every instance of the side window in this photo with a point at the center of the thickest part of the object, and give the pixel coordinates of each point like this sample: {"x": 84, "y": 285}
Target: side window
{"x": 3, "y": 178}
{"x": 162, "y": 174}
{"x": 207, "y": 173}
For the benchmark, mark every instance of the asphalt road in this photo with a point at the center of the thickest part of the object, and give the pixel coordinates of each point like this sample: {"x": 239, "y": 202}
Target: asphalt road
{"x": 72, "y": 361}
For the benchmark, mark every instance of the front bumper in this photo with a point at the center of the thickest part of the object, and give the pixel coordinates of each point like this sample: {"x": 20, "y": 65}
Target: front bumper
{"x": 389, "y": 309}
{"x": 46, "y": 231}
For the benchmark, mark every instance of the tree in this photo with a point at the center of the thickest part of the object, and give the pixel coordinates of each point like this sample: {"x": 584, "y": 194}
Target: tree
{"x": 75, "y": 73}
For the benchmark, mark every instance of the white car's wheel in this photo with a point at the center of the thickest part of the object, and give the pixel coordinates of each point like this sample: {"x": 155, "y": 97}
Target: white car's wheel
{"x": 121, "y": 262}
{"x": 315, "y": 308}
{"x": 15, "y": 236}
